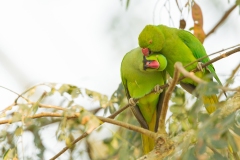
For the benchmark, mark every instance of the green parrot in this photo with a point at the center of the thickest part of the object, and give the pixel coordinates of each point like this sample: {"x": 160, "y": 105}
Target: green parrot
{"x": 138, "y": 80}
{"x": 179, "y": 45}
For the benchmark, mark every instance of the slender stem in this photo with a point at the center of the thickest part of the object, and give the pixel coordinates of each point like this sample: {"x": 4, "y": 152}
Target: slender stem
{"x": 229, "y": 79}
{"x": 112, "y": 116}
{"x": 221, "y": 20}
{"x": 161, "y": 124}
{"x": 85, "y": 134}
{"x": 129, "y": 126}
{"x": 75, "y": 115}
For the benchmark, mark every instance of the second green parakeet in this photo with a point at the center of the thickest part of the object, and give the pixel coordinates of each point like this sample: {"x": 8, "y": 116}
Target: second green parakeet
{"x": 179, "y": 45}
{"x": 138, "y": 80}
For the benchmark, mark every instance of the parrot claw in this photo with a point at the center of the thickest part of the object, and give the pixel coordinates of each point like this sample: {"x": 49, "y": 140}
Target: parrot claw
{"x": 158, "y": 89}
{"x": 199, "y": 66}
{"x": 131, "y": 102}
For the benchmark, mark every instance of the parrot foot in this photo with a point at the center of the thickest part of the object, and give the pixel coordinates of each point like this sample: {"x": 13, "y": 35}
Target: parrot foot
{"x": 131, "y": 102}
{"x": 158, "y": 89}
{"x": 199, "y": 66}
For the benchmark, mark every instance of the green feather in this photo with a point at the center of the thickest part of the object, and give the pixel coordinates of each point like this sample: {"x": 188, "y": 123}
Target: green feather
{"x": 197, "y": 50}
{"x": 137, "y": 83}
{"x": 178, "y": 45}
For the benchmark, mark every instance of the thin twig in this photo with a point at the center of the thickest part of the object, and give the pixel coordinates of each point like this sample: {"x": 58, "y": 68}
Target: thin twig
{"x": 187, "y": 74}
{"x": 75, "y": 115}
{"x": 229, "y": 89}
{"x": 129, "y": 126}
{"x": 85, "y": 134}
{"x": 221, "y": 20}
{"x": 177, "y": 69}
{"x": 112, "y": 121}
{"x": 20, "y": 95}
{"x": 199, "y": 59}
{"x": 224, "y": 55}
{"x": 14, "y": 93}
{"x": 49, "y": 106}
{"x": 230, "y": 78}
{"x": 112, "y": 116}
{"x": 191, "y": 75}
{"x": 161, "y": 124}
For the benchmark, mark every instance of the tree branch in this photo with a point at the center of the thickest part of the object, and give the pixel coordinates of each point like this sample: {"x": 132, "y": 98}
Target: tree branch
{"x": 76, "y": 115}
{"x": 109, "y": 120}
{"x": 229, "y": 79}
{"x": 169, "y": 145}
{"x": 161, "y": 124}
{"x": 221, "y": 20}
{"x": 112, "y": 116}
{"x": 85, "y": 134}
{"x": 129, "y": 126}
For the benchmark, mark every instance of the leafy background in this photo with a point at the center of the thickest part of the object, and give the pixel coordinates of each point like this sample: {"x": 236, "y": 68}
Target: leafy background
{"x": 82, "y": 44}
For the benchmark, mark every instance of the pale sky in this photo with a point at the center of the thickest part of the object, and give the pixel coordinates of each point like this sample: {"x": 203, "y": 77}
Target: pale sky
{"x": 83, "y": 42}
{"x": 76, "y": 42}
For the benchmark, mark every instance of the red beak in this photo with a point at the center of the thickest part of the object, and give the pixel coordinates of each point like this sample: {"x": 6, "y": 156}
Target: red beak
{"x": 152, "y": 64}
{"x": 145, "y": 51}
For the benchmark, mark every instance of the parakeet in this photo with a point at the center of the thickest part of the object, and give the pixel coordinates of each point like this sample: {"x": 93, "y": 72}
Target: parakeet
{"x": 178, "y": 45}
{"x": 138, "y": 80}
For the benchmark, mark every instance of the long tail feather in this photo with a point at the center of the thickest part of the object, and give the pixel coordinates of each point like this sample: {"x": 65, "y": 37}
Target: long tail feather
{"x": 147, "y": 142}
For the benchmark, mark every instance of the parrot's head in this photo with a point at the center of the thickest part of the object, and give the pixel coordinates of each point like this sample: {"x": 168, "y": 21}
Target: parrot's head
{"x": 154, "y": 61}
{"x": 151, "y": 40}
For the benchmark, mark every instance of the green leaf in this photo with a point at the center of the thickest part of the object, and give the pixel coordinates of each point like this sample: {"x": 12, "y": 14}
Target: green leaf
{"x": 53, "y": 90}
{"x": 18, "y": 131}
{"x": 219, "y": 143}
{"x": 189, "y": 154}
{"x": 9, "y": 154}
{"x": 185, "y": 124}
{"x": 175, "y": 109}
{"x": 63, "y": 88}
{"x": 16, "y": 117}
{"x": 127, "y": 4}
{"x": 112, "y": 109}
{"x": 75, "y": 92}
{"x": 177, "y": 100}
{"x": 35, "y": 106}
{"x": 235, "y": 129}
{"x": 5, "y": 155}
{"x": 118, "y": 95}
{"x": 103, "y": 99}
{"x": 232, "y": 142}
{"x": 107, "y": 140}
{"x": 3, "y": 135}
{"x": 203, "y": 116}
{"x": 218, "y": 156}
{"x": 174, "y": 127}
{"x": 212, "y": 131}
{"x": 68, "y": 140}
{"x": 202, "y": 148}
{"x": 208, "y": 89}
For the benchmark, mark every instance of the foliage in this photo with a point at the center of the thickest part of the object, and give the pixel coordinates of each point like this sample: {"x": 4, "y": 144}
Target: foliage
{"x": 74, "y": 111}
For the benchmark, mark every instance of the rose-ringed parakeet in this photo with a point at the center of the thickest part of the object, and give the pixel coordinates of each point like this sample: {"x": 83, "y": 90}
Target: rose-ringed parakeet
{"x": 139, "y": 80}
{"x": 179, "y": 45}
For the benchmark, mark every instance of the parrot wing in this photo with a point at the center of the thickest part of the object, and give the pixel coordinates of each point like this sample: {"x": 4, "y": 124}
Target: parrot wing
{"x": 135, "y": 109}
{"x": 197, "y": 49}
